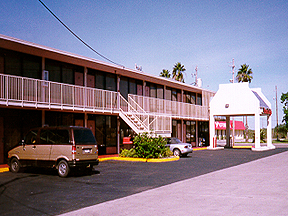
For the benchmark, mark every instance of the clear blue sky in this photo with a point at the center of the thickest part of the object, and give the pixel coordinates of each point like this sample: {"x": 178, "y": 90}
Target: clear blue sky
{"x": 157, "y": 34}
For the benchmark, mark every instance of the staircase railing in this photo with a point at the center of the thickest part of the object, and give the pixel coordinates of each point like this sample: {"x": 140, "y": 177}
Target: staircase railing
{"x": 140, "y": 120}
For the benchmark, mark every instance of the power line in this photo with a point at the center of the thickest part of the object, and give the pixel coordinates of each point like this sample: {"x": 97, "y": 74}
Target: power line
{"x": 75, "y": 35}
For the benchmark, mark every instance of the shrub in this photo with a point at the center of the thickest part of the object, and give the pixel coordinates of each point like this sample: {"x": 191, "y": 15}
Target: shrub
{"x": 146, "y": 146}
{"x": 128, "y": 153}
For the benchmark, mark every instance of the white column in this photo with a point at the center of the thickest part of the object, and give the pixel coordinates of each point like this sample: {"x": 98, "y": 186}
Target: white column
{"x": 269, "y": 131}
{"x": 211, "y": 129}
{"x": 257, "y": 129}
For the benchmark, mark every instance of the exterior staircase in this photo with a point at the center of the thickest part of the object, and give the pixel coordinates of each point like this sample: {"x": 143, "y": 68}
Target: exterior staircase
{"x": 141, "y": 121}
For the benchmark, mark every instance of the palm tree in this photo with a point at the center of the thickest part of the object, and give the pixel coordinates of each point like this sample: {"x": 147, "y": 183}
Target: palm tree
{"x": 177, "y": 72}
{"x": 244, "y": 74}
{"x": 165, "y": 73}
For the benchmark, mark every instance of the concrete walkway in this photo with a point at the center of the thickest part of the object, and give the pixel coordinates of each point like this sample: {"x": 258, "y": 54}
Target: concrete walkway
{"x": 255, "y": 188}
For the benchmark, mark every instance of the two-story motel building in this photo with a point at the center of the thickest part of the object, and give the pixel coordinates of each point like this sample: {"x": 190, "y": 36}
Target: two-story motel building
{"x": 44, "y": 86}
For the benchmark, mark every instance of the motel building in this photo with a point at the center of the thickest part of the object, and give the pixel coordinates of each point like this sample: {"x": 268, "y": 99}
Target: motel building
{"x": 43, "y": 86}
{"x": 220, "y": 130}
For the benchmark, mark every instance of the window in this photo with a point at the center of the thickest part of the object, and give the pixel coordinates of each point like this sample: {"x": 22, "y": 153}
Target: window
{"x": 132, "y": 86}
{"x": 31, "y": 137}
{"x": 199, "y": 99}
{"x": 193, "y": 98}
{"x": 188, "y": 97}
{"x": 168, "y": 94}
{"x": 54, "y": 137}
{"x": 152, "y": 90}
{"x": 67, "y": 75}
{"x": 54, "y": 71}
{"x": 84, "y": 137}
{"x": 174, "y": 95}
{"x": 124, "y": 87}
{"x": 160, "y": 91}
{"x": 111, "y": 82}
{"x": 32, "y": 66}
{"x": 111, "y": 131}
{"x": 100, "y": 80}
{"x": 12, "y": 63}
{"x": 62, "y": 72}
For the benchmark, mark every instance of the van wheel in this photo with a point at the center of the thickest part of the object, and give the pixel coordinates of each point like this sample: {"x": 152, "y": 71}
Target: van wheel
{"x": 15, "y": 165}
{"x": 63, "y": 169}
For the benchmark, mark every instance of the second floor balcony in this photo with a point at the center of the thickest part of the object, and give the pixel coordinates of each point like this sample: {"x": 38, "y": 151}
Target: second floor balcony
{"x": 28, "y": 92}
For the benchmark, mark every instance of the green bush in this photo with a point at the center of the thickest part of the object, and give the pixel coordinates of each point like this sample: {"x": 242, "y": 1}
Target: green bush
{"x": 128, "y": 153}
{"x": 146, "y": 146}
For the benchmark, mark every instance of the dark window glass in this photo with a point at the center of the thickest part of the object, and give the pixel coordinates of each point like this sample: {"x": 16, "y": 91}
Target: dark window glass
{"x": 160, "y": 92}
{"x": 153, "y": 92}
{"x": 193, "y": 98}
{"x": 32, "y": 67}
{"x": 174, "y": 95}
{"x": 199, "y": 99}
{"x": 132, "y": 86}
{"x": 54, "y": 137}
{"x": 83, "y": 136}
{"x": 188, "y": 132}
{"x": 100, "y": 80}
{"x": 31, "y": 137}
{"x": 13, "y": 64}
{"x": 124, "y": 87}
{"x": 54, "y": 72}
{"x": 111, "y": 131}
{"x": 111, "y": 82}
{"x": 139, "y": 88}
{"x": 67, "y": 75}
{"x": 188, "y": 97}
{"x": 100, "y": 129}
{"x": 193, "y": 131}
{"x": 1, "y": 64}
{"x": 168, "y": 94}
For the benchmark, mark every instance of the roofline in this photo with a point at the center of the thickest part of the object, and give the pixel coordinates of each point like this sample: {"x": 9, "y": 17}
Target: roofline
{"x": 18, "y": 44}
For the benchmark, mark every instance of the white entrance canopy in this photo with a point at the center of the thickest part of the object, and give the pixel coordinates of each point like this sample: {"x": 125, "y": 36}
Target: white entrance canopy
{"x": 237, "y": 99}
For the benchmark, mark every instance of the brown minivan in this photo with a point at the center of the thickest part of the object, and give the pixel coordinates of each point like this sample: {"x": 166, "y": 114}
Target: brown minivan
{"x": 62, "y": 148}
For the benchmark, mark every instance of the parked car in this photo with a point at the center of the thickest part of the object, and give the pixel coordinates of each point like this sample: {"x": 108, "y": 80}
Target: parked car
{"x": 179, "y": 148}
{"x": 62, "y": 148}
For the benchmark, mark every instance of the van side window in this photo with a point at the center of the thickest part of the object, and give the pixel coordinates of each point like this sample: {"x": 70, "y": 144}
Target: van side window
{"x": 54, "y": 137}
{"x": 31, "y": 137}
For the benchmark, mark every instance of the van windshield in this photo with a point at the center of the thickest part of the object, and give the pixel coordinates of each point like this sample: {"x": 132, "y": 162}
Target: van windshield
{"x": 83, "y": 136}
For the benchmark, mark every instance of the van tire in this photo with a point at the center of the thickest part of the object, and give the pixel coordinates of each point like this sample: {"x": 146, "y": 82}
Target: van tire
{"x": 15, "y": 165}
{"x": 63, "y": 168}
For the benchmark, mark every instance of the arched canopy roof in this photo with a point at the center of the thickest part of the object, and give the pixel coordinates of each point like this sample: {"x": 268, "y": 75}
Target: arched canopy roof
{"x": 237, "y": 99}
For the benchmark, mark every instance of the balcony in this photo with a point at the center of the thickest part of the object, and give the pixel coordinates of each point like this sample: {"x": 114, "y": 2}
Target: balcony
{"x": 142, "y": 114}
{"x": 174, "y": 109}
{"x": 28, "y": 92}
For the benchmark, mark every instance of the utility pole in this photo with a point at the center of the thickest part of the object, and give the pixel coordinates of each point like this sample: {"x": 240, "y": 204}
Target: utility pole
{"x": 233, "y": 133}
{"x": 276, "y": 113}
{"x": 196, "y": 74}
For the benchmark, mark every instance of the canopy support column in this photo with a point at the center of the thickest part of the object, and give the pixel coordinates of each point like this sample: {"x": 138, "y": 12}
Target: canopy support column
{"x": 228, "y": 144}
{"x": 257, "y": 130}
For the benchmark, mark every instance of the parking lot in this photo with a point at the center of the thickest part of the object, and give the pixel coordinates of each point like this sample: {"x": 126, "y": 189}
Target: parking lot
{"x": 42, "y": 192}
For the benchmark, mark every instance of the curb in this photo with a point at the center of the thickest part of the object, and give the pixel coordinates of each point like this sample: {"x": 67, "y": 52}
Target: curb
{"x": 242, "y": 147}
{"x": 156, "y": 160}
{"x": 4, "y": 169}
{"x": 199, "y": 148}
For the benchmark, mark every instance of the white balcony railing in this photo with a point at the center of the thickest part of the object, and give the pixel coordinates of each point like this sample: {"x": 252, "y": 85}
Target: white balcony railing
{"x": 154, "y": 114}
{"x": 175, "y": 109}
{"x": 22, "y": 91}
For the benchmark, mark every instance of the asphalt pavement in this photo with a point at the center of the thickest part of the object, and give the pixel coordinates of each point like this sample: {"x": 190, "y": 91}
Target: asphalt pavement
{"x": 259, "y": 187}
